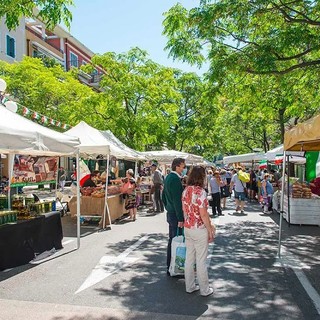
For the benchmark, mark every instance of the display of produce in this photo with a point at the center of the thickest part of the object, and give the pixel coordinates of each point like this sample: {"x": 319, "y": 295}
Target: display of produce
{"x": 8, "y": 217}
{"x": 3, "y": 201}
{"x": 300, "y": 190}
{"x": 27, "y": 208}
{"x": 86, "y": 191}
{"x": 98, "y": 193}
{"x": 18, "y": 205}
{"x": 112, "y": 190}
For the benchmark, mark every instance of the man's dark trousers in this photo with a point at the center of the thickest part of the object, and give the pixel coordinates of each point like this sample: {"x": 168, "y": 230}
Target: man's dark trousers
{"x": 173, "y": 230}
{"x": 157, "y": 197}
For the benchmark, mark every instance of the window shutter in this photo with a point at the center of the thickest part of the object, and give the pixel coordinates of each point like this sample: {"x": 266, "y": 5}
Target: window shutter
{"x": 11, "y": 47}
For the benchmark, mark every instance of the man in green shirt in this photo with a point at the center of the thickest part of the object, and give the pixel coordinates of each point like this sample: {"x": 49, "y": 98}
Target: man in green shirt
{"x": 171, "y": 197}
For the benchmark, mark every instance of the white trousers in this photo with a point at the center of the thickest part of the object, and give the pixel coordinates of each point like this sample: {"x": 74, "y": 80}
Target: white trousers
{"x": 197, "y": 252}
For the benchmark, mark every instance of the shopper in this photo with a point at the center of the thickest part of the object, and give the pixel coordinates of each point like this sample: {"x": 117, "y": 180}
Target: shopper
{"x": 171, "y": 197}
{"x": 157, "y": 180}
{"x": 239, "y": 190}
{"x": 62, "y": 178}
{"x": 215, "y": 185}
{"x": 224, "y": 189}
{"x": 198, "y": 232}
{"x": 253, "y": 188}
{"x": 267, "y": 192}
{"x": 129, "y": 190}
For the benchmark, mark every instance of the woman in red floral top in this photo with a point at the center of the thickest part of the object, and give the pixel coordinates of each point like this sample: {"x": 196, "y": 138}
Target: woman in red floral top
{"x": 198, "y": 231}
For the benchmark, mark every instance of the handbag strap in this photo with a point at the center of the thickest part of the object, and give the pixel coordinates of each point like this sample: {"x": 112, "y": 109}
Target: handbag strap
{"x": 242, "y": 184}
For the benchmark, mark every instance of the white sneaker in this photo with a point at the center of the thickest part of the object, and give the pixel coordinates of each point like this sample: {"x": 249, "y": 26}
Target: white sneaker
{"x": 210, "y": 292}
{"x": 196, "y": 288}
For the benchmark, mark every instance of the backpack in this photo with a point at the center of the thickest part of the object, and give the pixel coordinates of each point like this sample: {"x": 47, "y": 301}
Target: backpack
{"x": 243, "y": 176}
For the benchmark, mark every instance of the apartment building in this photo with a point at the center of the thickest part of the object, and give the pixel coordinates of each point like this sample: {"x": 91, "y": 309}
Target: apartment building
{"x": 11, "y": 42}
{"x": 31, "y": 38}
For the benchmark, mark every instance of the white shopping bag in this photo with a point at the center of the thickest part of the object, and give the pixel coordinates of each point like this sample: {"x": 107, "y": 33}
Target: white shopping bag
{"x": 178, "y": 256}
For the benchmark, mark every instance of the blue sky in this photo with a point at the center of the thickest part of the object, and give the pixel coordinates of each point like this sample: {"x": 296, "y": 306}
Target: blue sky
{"x": 118, "y": 25}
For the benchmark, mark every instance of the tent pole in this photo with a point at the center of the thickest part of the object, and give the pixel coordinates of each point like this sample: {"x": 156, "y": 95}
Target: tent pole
{"x": 78, "y": 198}
{"x": 288, "y": 195}
{"x": 10, "y": 164}
{"x": 136, "y": 169}
{"x": 282, "y": 201}
{"x": 106, "y": 207}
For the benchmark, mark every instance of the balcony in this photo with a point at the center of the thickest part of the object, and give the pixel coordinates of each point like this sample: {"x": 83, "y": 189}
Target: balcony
{"x": 34, "y": 36}
{"x": 90, "y": 79}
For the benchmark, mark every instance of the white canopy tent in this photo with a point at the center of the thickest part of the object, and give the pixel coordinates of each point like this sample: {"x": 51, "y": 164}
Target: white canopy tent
{"x": 242, "y": 158}
{"x": 122, "y": 151}
{"x": 167, "y": 156}
{"x": 119, "y": 149}
{"x": 92, "y": 141}
{"x": 294, "y": 156}
{"x": 22, "y": 136}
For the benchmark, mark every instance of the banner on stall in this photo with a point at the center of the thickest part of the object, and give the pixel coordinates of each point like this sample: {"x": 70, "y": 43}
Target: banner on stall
{"x": 33, "y": 170}
{"x": 312, "y": 165}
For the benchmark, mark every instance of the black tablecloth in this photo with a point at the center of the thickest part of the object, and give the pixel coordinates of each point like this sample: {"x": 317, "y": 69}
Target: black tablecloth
{"x": 21, "y": 241}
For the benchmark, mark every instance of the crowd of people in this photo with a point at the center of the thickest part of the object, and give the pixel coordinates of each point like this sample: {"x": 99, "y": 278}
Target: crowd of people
{"x": 185, "y": 199}
{"x": 186, "y": 194}
{"x": 223, "y": 181}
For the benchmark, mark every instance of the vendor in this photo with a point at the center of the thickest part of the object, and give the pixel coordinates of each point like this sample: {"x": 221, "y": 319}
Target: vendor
{"x": 90, "y": 182}
{"x": 315, "y": 186}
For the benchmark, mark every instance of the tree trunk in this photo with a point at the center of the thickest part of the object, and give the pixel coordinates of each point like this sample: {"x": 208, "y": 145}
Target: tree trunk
{"x": 281, "y": 123}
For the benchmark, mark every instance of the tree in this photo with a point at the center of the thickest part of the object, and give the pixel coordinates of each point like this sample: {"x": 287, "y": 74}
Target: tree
{"x": 258, "y": 36}
{"x": 138, "y": 98}
{"x": 48, "y": 90}
{"x": 51, "y": 12}
{"x": 195, "y": 115}
{"x": 255, "y": 110}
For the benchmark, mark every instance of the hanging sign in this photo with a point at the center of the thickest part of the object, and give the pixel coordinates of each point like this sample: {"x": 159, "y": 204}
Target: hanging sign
{"x": 31, "y": 170}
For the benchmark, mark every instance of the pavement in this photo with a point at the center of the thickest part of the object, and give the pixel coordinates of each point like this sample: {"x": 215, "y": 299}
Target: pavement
{"x": 249, "y": 280}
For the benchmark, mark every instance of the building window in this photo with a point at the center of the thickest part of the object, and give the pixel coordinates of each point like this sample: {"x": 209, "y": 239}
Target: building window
{"x": 73, "y": 60}
{"x": 11, "y": 50}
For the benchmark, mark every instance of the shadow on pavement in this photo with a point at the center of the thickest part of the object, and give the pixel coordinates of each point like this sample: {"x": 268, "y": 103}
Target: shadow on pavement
{"x": 149, "y": 289}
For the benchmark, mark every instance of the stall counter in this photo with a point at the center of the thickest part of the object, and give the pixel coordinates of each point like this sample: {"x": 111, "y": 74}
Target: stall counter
{"x": 91, "y": 206}
{"x": 302, "y": 211}
{"x": 21, "y": 241}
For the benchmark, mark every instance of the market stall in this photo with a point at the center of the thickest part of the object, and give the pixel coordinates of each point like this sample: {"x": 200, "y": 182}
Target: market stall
{"x": 164, "y": 159}
{"x": 276, "y": 155}
{"x": 303, "y": 137}
{"x": 94, "y": 203}
{"x": 31, "y": 234}
{"x": 167, "y": 156}
{"x": 244, "y": 158}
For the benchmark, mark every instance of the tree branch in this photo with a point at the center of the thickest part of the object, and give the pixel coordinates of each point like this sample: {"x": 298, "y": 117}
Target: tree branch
{"x": 290, "y": 19}
{"x": 297, "y": 56}
{"x": 279, "y": 72}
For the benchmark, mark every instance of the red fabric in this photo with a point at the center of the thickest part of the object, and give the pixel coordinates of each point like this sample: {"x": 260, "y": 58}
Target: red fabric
{"x": 193, "y": 198}
{"x": 84, "y": 179}
{"x": 315, "y": 186}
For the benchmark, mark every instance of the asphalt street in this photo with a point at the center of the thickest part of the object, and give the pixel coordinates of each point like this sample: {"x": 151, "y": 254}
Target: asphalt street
{"x": 121, "y": 274}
